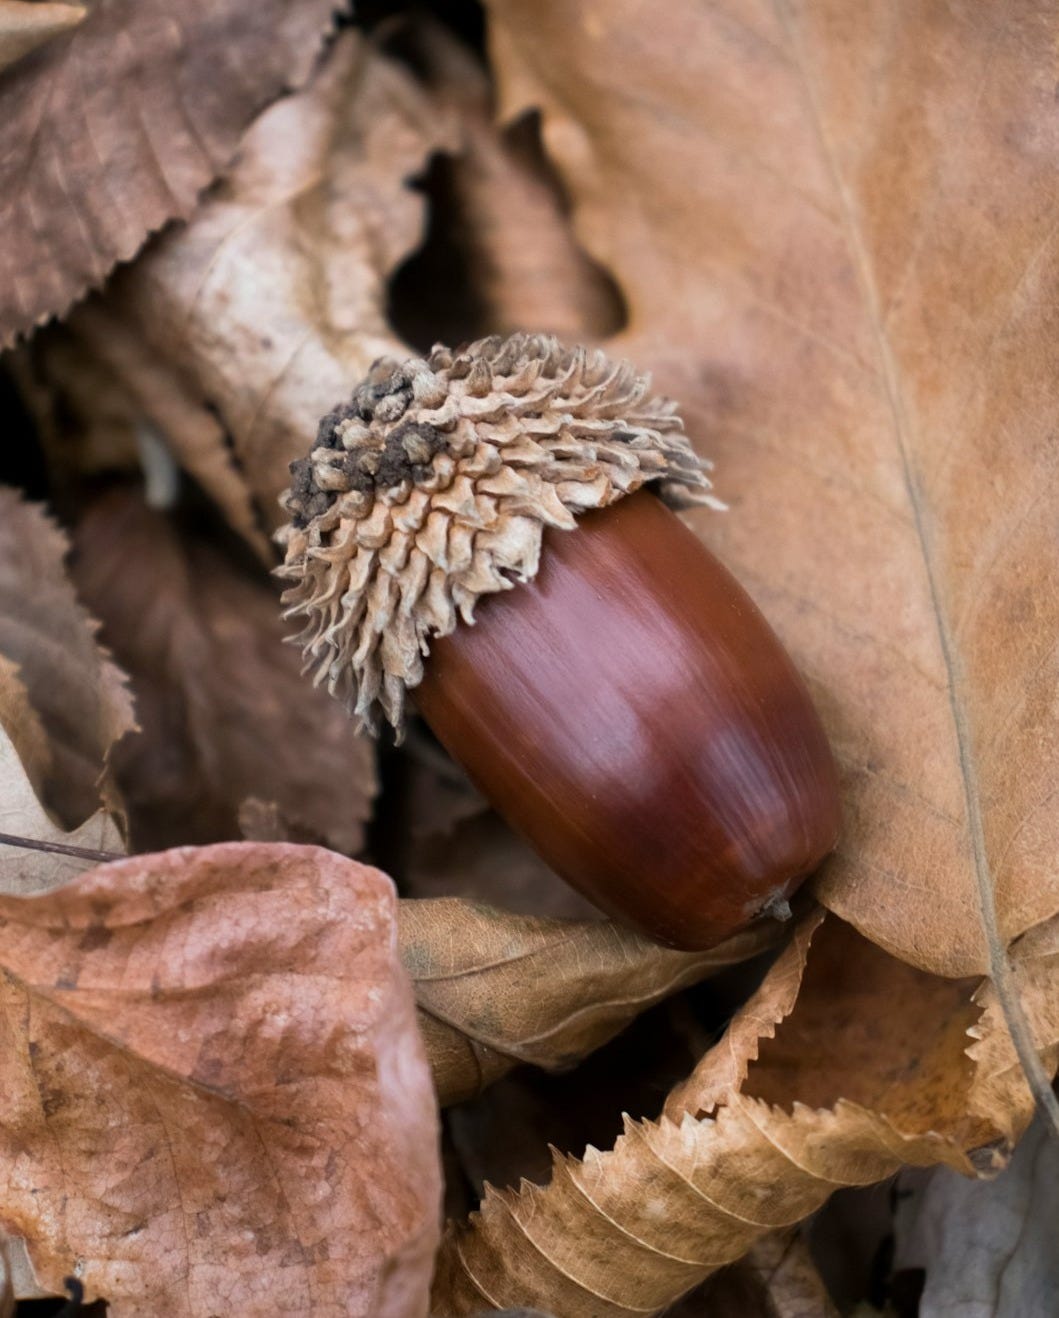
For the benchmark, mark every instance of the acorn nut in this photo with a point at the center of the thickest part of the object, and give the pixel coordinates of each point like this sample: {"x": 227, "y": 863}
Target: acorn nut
{"x": 614, "y": 693}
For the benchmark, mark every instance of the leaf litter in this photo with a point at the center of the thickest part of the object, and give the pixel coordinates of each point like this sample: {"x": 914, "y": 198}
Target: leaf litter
{"x": 837, "y": 253}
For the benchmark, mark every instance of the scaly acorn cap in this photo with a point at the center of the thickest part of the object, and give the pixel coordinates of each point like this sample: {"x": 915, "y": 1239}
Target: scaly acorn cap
{"x": 433, "y": 486}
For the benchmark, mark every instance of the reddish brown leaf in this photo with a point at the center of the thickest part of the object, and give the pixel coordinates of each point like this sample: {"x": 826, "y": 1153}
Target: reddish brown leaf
{"x": 214, "y": 1096}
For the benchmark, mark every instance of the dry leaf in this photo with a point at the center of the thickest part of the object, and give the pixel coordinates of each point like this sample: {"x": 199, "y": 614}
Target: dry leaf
{"x": 224, "y": 710}
{"x": 722, "y": 1070}
{"x": 79, "y": 695}
{"x": 22, "y": 815}
{"x": 317, "y": 211}
{"x": 109, "y": 133}
{"x": 494, "y": 989}
{"x": 777, "y": 1279}
{"x": 870, "y": 1070}
{"x": 25, "y": 26}
{"x": 500, "y": 255}
{"x": 988, "y": 1250}
{"x": 214, "y": 1093}
{"x": 834, "y": 231}
{"x": 481, "y": 858}
{"x": 22, "y": 724}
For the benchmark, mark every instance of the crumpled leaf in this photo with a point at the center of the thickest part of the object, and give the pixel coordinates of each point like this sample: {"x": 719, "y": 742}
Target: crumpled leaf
{"x": 214, "y": 1093}
{"x": 112, "y": 131}
{"x": 225, "y": 713}
{"x": 495, "y": 989}
{"x": 869, "y": 1071}
{"x": 79, "y": 695}
{"x": 837, "y": 246}
{"x": 317, "y": 209}
{"x": 722, "y": 1070}
{"x": 988, "y": 1250}
{"x": 25, "y": 26}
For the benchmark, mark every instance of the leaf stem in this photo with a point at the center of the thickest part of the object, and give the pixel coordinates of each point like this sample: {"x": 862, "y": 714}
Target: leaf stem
{"x": 58, "y": 848}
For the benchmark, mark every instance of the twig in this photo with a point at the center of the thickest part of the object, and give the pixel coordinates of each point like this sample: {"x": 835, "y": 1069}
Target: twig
{"x": 58, "y": 848}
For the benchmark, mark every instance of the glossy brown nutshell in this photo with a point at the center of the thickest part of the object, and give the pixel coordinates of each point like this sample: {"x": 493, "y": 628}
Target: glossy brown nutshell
{"x": 631, "y": 712}
{"x": 473, "y": 530}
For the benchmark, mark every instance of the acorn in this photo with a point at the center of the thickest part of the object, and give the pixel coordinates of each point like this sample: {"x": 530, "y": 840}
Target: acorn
{"x": 491, "y": 529}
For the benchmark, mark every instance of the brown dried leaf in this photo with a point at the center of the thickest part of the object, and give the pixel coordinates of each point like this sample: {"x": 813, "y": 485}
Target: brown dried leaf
{"x": 112, "y": 131}
{"x": 79, "y": 695}
{"x": 480, "y": 858}
{"x": 24, "y": 26}
{"x": 495, "y": 989}
{"x": 225, "y": 711}
{"x": 835, "y": 235}
{"x": 214, "y": 1093}
{"x": 869, "y": 1071}
{"x": 722, "y": 1070}
{"x": 501, "y": 255}
{"x": 264, "y": 309}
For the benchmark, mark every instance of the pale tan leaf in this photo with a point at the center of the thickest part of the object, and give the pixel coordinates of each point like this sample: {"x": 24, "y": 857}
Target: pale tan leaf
{"x": 25, "y": 26}
{"x": 834, "y": 231}
{"x": 265, "y": 307}
{"x": 80, "y": 696}
{"x": 869, "y": 1071}
{"x": 23, "y": 1280}
{"x": 214, "y": 1094}
{"x": 22, "y": 815}
{"x": 112, "y": 131}
{"x": 22, "y": 724}
{"x": 495, "y": 989}
{"x": 225, "y": 711}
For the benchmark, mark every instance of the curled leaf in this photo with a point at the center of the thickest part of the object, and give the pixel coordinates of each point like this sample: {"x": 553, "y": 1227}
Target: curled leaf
{"x": 318, "y": 208}
{"x": 495, "y": 989}
{"x": 628, "y": 1230}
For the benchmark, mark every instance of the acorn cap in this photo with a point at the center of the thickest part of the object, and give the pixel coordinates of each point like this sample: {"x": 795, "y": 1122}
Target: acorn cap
{"x": 434, "y": 484}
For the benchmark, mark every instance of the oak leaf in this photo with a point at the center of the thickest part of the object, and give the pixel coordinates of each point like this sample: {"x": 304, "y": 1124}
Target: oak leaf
{"x": 214, "y": 1093}
{"x": 225, "y": 713}
{"x": 834, "y": 235}
{"x": 117, "y": 127}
